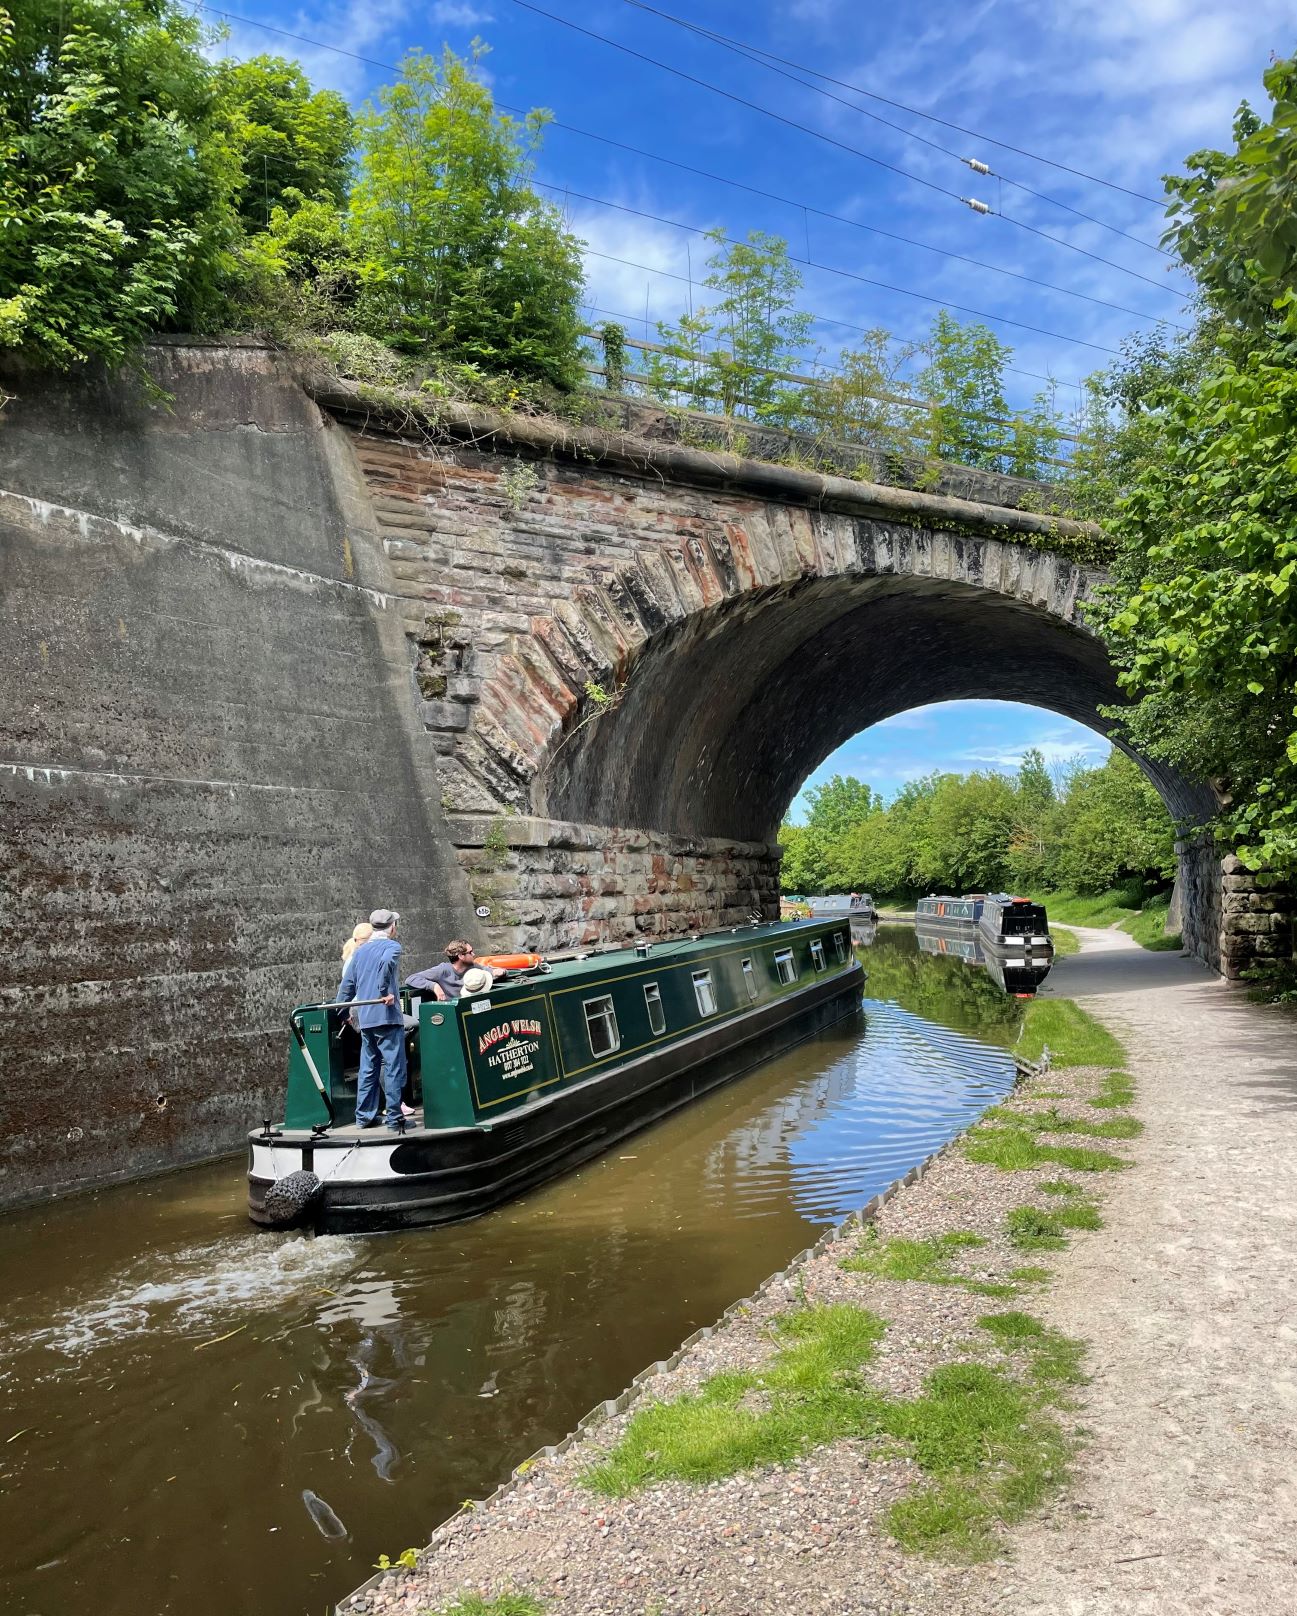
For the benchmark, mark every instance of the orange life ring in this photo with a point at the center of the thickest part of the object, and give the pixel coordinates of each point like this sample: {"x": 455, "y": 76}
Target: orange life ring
{"x": 512, "y": 962}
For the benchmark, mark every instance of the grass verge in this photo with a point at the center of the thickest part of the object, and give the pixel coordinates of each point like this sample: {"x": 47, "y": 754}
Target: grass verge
{"x": 1072, "y": 1036}
{"x": 1033, "y": 1228}
{"x": 1066, "y": 943}
{"x": 983, "y": 1437}
{"x": 924, "y": 1260}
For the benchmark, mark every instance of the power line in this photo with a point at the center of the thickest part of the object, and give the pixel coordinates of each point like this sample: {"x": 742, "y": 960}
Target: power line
{"x": 929, "y": 117}
{"x": 849, "y": 274}
{"x": 754, "y": 190}
{"x": 830, "y": 269}
{"x": 1102, "y": 302}
{"x": 753, "y": 54}
{"x": 830, "y": 140}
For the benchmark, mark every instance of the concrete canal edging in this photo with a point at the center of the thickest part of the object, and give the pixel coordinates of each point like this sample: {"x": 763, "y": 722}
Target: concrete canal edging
{"x": 358, "y": 1602}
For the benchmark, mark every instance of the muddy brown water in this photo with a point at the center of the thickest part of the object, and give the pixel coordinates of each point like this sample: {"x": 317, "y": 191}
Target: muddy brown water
{"x": 205, "y": 1419}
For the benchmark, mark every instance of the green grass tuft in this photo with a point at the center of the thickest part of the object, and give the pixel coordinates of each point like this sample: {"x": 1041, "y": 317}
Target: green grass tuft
{"x": 506, "y": 1604}
{"x": 986, "y": 1288}
{"x": 1033, "y": 1228}
{"x": 982, "y": 1437}
{"x": 1055, "y": 1358}
{"x": 1060, "y": 1186}
{"x": 1016, "y": 1149}
{"x": 924, "y": 1260}
{"x": 1073, "y": 1037}
{"x": 808, "y": 1394}
{"x": 1066, "y": 943}
{"x": 1116, "y": 1090}
{"x": 1030, "y": 1275}
{"x": 1116, "y": 1128}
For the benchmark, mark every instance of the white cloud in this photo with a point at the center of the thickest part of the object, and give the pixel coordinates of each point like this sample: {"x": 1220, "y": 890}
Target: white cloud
{"x": 360, "y": 27}
{"x": 452, "y": 14}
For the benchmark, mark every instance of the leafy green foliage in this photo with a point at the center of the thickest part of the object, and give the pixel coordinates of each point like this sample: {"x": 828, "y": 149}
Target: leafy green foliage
{"x": 457, "y": 252}
{"x": 291, "y": 141}
{"x": 115, "y": 183}
{"x": 983, "y": 831}
{"x": 1232, "y": 214}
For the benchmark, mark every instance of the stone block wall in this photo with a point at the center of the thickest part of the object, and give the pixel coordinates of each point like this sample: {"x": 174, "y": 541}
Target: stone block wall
{"x": 550, "y": 884}
{"x": 1230, "y": 920}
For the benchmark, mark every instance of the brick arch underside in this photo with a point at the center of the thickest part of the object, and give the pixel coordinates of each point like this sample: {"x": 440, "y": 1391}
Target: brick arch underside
{"x": 725, "y": 714}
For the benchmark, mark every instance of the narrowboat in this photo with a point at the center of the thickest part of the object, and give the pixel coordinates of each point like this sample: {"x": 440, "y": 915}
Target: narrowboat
{"x": 855, "y": 905}
{"x": 1015, "y": 925}
{"x": 1010, "y": 925}
{"x": 546, "y": 1068}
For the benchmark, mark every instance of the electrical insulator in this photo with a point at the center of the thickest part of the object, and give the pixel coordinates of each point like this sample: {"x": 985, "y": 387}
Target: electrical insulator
{"x": 977, "y": 168}
{"x": 972, "y": 202}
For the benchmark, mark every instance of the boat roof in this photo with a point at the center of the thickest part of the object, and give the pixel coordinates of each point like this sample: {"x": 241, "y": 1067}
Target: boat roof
{"x": 675, "y": 951}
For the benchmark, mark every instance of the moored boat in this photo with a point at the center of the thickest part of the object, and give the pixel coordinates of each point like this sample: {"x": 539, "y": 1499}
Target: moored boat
{"x": 855, "y": 905}
{"x": 542, "y": 1071}
{"x": 1018, "y": 975}
{"x": 1015, "y": 925}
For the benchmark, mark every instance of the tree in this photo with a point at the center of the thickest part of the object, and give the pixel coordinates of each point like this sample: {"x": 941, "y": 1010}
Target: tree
{"x": 736, "y": 354}
{"x": 115, "y": 182}
{"x": 964, "y": 381}
{"x": 1112, "y": 828}
{"x": 459, "y": 254}
{"x": 837, "y": 805}
{"x": 1234, "y": 214}
{"x": 291, "y": 141}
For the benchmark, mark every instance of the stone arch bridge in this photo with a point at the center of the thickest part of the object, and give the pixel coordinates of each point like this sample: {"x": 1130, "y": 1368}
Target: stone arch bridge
{"x": 276, "y": 653}
{"x": 631, "y": 654}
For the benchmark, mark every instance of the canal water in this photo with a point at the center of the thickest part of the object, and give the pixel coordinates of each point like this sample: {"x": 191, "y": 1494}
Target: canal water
{"x": 204, "y": 1419}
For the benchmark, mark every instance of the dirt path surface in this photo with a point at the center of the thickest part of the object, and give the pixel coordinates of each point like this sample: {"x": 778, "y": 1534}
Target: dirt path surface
{"x": 1187, "y": 1497}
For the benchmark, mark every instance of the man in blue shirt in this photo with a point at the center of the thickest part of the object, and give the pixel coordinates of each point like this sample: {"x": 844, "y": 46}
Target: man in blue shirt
{"x": 372, "y": 973}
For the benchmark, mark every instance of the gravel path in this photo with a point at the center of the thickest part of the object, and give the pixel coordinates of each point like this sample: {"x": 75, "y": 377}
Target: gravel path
{"x": 1186, "y": 1491}
{"x": 1187, "y": 1498}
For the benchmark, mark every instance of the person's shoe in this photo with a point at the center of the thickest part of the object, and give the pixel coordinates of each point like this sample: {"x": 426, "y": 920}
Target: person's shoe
{"x": 370, "y": 1122}
{"x": 408, "y": 1110}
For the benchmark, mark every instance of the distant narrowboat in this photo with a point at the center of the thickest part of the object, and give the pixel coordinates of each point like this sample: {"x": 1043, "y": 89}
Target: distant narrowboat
{"x": 855, "y": 905}
{"x": 1005, "y": 924}
{"x": 545, "y": 1069}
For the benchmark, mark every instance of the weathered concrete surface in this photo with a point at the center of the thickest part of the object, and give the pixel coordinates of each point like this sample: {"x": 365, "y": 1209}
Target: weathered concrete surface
{"x": 1187, "y": 1500}
{"x": 210, "y": 759}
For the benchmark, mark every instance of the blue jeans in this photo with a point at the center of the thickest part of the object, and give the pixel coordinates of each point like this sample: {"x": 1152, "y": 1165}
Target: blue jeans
{"x": 385, "y": 1046}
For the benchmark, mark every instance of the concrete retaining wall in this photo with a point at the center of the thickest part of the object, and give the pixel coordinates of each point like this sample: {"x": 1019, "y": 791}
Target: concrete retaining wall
{"x": 210, "y": 759}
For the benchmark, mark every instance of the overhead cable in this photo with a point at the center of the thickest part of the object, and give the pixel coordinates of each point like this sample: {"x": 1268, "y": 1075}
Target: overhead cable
{"x": 753, "y": 54}
{"x": 917, "y": 112}
{"x": 830, "y": 140}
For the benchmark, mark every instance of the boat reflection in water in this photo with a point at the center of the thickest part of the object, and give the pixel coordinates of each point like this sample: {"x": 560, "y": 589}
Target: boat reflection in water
{"x": 1016, "y": 974}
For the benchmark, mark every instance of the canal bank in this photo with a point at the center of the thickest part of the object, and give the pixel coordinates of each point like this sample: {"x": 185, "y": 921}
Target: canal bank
{"x": 1181, "y": 1498}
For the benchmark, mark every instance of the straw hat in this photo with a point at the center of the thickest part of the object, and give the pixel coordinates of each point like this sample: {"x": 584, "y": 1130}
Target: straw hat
{"x": 477, "y": 979}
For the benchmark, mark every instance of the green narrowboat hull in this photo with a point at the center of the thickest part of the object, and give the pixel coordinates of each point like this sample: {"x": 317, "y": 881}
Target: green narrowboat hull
{"x": 514, "y": 1092}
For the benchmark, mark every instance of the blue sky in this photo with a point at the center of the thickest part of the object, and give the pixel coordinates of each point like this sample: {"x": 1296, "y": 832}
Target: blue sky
{"x": 1121, "y": 89}
{"x": 958, "y": 737}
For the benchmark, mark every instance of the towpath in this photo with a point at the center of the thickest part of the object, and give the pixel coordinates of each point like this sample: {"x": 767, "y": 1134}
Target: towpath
{"x": 1185, "y": 1496}
{"x": 1187, "y": 1499}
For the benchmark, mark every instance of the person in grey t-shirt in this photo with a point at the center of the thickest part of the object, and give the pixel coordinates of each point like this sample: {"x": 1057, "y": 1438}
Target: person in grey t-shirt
{"x": 446, "y": 980}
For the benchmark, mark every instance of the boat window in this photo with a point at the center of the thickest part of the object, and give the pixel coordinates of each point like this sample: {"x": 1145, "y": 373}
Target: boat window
{"x": 785, "y": 965}
{"x": 704, "y": 993}
{"x": 817, "y": 954}
{"x": 838, "y": 949}
{"x": 601, "y": 1025}
{"x": 749, "y": 979}
{"x": 656, "y": 1014}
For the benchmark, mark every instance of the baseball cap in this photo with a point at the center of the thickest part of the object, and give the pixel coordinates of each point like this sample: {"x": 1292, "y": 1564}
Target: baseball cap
{"x": 381, "y": 919}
